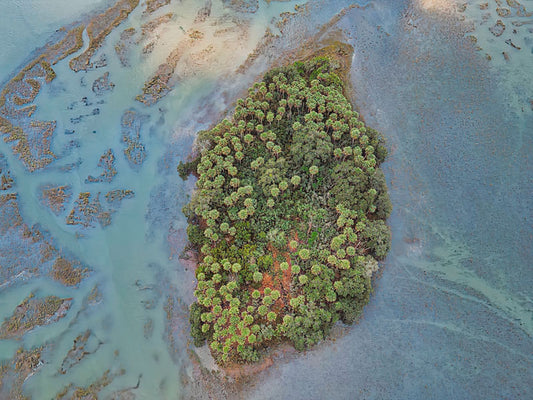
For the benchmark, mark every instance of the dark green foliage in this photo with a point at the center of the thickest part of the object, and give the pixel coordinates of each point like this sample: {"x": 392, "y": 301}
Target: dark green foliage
{"x": 196, "y": 236}
{"x": 188, "y": 168}
{"x": 195, "y": 313}
{"x": 377, "y": 235}
{"x": 288, "y": 215}
{"x": 383, "y": 204}
{"x": 310, "y": 327}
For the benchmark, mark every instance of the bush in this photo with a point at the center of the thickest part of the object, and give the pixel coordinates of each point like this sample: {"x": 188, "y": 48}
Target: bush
{"x": 195, "y": 320}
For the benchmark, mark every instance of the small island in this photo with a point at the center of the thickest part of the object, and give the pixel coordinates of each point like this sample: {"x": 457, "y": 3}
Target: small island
{"x": 288, "y": 217}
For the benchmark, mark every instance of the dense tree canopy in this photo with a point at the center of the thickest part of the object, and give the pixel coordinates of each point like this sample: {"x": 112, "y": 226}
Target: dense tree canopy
{"x": 288, "y": 215}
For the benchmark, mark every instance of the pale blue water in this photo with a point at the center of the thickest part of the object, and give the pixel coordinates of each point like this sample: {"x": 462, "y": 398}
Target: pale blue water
{"x": 451, "y": 316}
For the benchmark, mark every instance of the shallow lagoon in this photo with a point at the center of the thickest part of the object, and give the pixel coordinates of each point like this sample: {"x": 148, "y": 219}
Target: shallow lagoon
{"x": 451, "y": 316}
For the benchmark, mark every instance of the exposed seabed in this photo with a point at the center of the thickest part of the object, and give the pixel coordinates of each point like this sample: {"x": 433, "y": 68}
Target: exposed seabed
{"x": 451, "y": 316}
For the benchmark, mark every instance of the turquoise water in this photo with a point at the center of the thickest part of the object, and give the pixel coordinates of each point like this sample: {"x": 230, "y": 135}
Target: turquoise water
{"x": 451, "y": 316}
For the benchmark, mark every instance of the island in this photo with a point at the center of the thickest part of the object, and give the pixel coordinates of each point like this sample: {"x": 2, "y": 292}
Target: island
{"x": 287, "y": 221}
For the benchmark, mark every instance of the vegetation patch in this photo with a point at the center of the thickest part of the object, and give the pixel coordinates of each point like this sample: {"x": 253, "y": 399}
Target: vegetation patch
{"x": 31, "y": 138}
{"x": 148, "y": 28}
{"x": 87, "y": 211}
{"x": 107, "y": 163}
{"x": 32, "y": 244}
{"x": 131, "y": 124}
{"x": 153, "y": 5}
{"x": 244, "y": 6}
{"x": 14, "y": 372}
{"x": 159, "y": 85}
{"x": 6, "y": 181}
{"x": 288, "y": 218}
{"x": 55, "y": 197}
{"x": 122, "y": 48}
{"x": 65, "y": 272}
{"x": 89, "y": 392}
{"x": 94, "y": 297}
{"x": 84, "y": 345}
{"x": 102, "y": 85}
{"x": 34, "y": 312}
{"x": 98, "y": 28}
{"x": 116, "y": 196}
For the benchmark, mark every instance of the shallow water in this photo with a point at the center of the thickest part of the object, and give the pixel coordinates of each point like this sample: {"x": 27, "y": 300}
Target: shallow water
{"x": 451, "y": 316}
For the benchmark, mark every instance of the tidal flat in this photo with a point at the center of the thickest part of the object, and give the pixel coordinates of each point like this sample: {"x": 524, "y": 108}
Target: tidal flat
{"x": 101, "y": 100}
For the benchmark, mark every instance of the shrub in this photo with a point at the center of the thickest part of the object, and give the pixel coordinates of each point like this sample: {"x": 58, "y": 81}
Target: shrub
{"x": 257, "y": 276}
